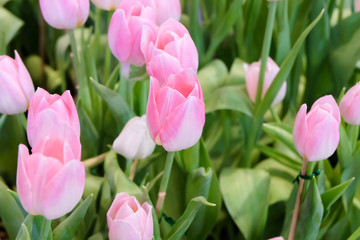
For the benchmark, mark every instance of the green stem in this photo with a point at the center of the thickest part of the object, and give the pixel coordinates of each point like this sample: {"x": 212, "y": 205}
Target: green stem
{"x": 274, "y": 115}
{"x": 128, "y": 167}
{"x": 341, "y": 7}
{"x": 107, "y": 54}
{"x": 46, "y": 226}
{"x": 164, "y": 182}
{"x": 23, "y": 120}
{"x": 251, "y": 140}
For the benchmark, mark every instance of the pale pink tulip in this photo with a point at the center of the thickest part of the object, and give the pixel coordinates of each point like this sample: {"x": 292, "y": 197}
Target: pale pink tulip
{"x": 174, "y": 40}
{"x": 50, "y": 182}
{"x": 47, "y": 113}
{"x": 127, "y": 219}
{"x": 65, "y": 14}
{"x": 316, "y": 134}
{"x": 167, "y": 9}
{"x": 349, "y": 105}
{"x": 357, "y": 5}
{"x": 126, "y": 27}
{"x": 16, "y": 86}
{"x": 252, "y": 73}
{"x": 134, "y": 141}
{"x": 176, "y": 110}
{"x": 107, "y": 4}
{"x": 276, "y": 238}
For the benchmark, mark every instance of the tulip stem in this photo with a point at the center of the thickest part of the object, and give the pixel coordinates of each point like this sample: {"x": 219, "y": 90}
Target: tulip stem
{"x": 298, "y": 200}
{"x": 164, "y": 182}
{"x": 133, "y": 169}
{"x": 94, "y": 161}
{"x": 46, "y": 226}
{"x": 275, "y": 116}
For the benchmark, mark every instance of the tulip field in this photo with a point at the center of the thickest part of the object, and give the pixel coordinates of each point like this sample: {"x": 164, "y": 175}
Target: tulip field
{"x": 180, "y": 119}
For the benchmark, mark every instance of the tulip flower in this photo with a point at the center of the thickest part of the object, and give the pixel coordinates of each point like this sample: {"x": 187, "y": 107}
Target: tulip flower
{"x": 316, "y": 133}
{"x": 107, "y": 4}
{"x": 167, "y": 9}
{"x": 252, "y": 73}
{"x": 126, "y": 27}
{"x": 50, "y": 181}
{"x": 54, "y": 110}
{"x": 357, "y": 5}
{"x": 16, "y": 85}
{"x": 349, "y": 105}
{"x": 176, "y": 110}
{"x": 276, "y": 238}
{"x": 65, "y": 14}
{"x": 134, "y": 141}
{"x": 127, "y": 219}
{"x": 174, "y": 40}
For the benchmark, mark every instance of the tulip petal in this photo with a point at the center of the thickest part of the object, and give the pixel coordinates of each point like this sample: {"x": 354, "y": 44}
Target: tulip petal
{"x": 153, "y": 116}
{"x": 24, "y": 77}
{"x": 349, "y": 105}
{"x": 148, "y": 230}
{"x": 300, "y": 130}
{"x": 328, "y": 99}
{"x": 121, "y": 229}
{"x": 23, "y": 183}
{"x": 162, "y": 65}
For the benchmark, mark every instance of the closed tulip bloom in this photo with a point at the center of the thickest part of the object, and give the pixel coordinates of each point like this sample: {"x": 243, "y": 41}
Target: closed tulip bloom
{"x": 127, "y": 219}
{"x": 172, "y": 39}
{"x": 48, "y": 112}
{"x": 316, "y": 133}
{"x": 252, "y": 73}
{"x": 50, "y": 181}
{"x": 134, "y": 141}
{"x": 126, "y": 27}
{"x": 349, "y": 105}
{"x": 167, "y": 9}
{"x": 16, "y": 86}
{"x": 65, "y": 14}
{"x": 176, "y": 110}
{"x": 107, "y": 4}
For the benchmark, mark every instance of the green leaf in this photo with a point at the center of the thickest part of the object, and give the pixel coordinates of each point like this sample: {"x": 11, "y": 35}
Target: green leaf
{"x": 355, "y": 235}
{"x": 16, "y": 197}
{"x": 182, "y": 224}
{"x": 11, "y": 215}
{"x": 329, "y": 197}
{"x": 246, "y": 196}
{"x": 212, "y": 76}
{"x": 344, "y": 150}
{"x": 23, "y": 233}
{"x": 229, "y": 98}
{"x": 285, "y": 69}
{"x": 9, "y": 24}
{"x": 281, "y": 158}
{"x": 237, "y": 73}
{"x": 67, "y": 228}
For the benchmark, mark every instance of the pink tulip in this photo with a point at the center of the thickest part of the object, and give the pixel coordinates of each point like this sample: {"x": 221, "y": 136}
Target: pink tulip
{"x": 276, "y": 238}
{"x": 127, "y": 219}
{"x": 107, "y": 4}
{"x": 173, "y": 40}
{"x": 357, "y": 5}
{"x": 316, "y": 134}
{"x": 252, "y": 72}
{"x": 65, "y": 14}
{"x": 16, "y": 85}
{"x": 126, "y": 27}
{"x": 167, "y": 9}
{"x": 49, "y": 113}
{"x": 349, "y": 105}
{"x": 50, "y": 182}
{"x": 134, "y": 141}
{"x": 176, "y": 110}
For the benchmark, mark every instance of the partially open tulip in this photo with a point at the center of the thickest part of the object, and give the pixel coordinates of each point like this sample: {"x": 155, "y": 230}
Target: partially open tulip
{"x": 316, "y": 133}
{"x": 167, "y": 9}
{"x": 134, "y": 141}
{"x": 50, "y": 181}
{"x": 172, "y": 39}
{"x": 127, "y": 219}
{"x": 176, "y": 111}
{"x": 107, "y": 4}
{"x": 349, "y": 105}
{"x": 65, "y": 14}
{"x": 16, "y": 86}
{"x": 252, "y": 73}
{"x": 126, "y": 27}
{"x": 48, "y": 112}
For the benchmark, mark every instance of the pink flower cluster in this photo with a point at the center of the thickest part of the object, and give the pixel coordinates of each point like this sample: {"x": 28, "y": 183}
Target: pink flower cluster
{"x": 50, "y": 181}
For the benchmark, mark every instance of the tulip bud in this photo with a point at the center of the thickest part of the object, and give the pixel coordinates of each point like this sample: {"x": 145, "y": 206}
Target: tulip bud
{"x": 126, "y": 27}
{"x": 252, "y": 73}
{"x": 176, "y": 110}
{"x": 54, "y": 110}
{"x": 349, "y": 105}
{"x": 134, "y": 141}
{"x": 167, "y": 9}
{"x": 276, "y": 238}
{"x": 127, "y": 219}
{"x": 16, "y": 85}
{"x": 107, "y": 4}
{"x": 65, "y": 14}
{"x": 316, "y": 134}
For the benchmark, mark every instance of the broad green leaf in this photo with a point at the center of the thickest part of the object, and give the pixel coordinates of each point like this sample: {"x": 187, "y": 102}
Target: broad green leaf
{"x": 329, "y": 197}
{"x": 285, "y": 69}
{"x": 191, "y": 157}
{"x": 67, "y": 228}
{"x": 182, "y": 224}
{"x": 212, "y": 76}
{"x": 9, "y": 24}
{"x": 23, "y": 233}
{"x": 229, "y": 98}
{"x": 16, "y": 197}
{"x": 11, "y": 215}
{"x": 97, "y": 236}
{"x": 355, "y": 235}
{"x": 246, "y": 195}
{"x": 279, "y": 157}
{"x": 344, "y": 150}
{"x": 237, "y": 73}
